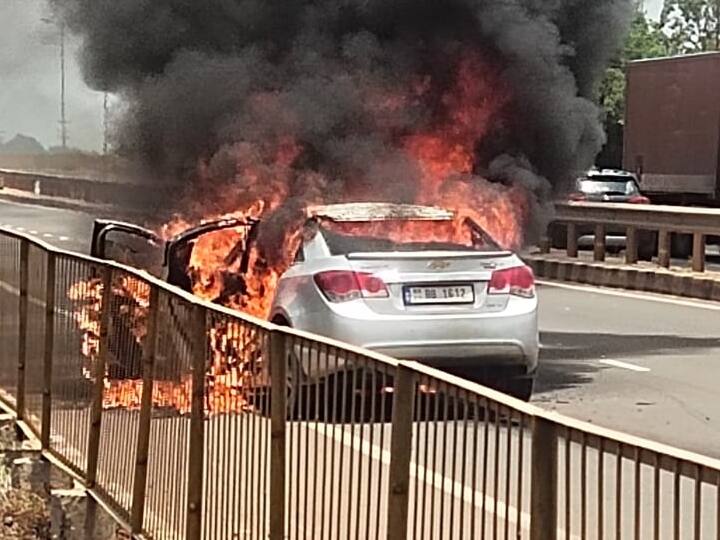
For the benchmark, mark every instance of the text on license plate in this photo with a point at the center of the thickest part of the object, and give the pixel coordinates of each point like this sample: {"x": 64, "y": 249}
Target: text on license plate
{"x": 445, "y": 294}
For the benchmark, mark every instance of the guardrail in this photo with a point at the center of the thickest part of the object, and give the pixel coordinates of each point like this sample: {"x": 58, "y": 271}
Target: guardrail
{"x": 80, "y": 189}
{"x": 194, "y": 421}
{"x": 633, "y": 220}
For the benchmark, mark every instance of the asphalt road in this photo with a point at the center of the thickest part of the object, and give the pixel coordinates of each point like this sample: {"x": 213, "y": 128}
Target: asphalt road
{"x": 65, "y": 229}
{"x": 642, "y": 364}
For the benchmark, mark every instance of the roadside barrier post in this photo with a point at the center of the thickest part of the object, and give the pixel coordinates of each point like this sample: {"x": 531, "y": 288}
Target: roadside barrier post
{"x": 278, "y": 416}
{"x": 545, "y": 243}
{"x": 197, "y": 426}
{"x": 544, "y": 491}
{"x": 137, "y": 512}
{"x": 599, "y": 252}
{"x": 48, "y": 352}
{"x": 99, "y": 379}
{"x": 631, "y": 247}
{"x": 698, "y": 254}
{"x": 22, "y": 327}
{"x": 572, "y": 240}
{"x": 664, "y": 248}
{"x": 400, "y": 453}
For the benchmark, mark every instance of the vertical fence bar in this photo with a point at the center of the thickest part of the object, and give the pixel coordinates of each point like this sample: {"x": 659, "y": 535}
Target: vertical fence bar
{"x": 572, "y": 240}
{"x": 196, "y": 466}
{"x": 137, "y": 510}
{"x": 400, "y": 453}
{"x": 49, "y": 351}
{"x": 664, "y": 248}
{"x": 599, "y": 250}
{"x": 631, "y": 247}
{"x": 99, "y": 374}
{"x": 22, "y": 326}
{"x": 278, "y": 414}
{"x": 544, "y": 489}
{"x": 698, "y": 255}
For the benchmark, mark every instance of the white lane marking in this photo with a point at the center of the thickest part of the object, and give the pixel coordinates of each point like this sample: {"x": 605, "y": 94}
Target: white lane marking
{"x": 19, "y": 228}
{"x": 635, "y": 296}
{"x": 625, "y": 365}
{"x": 47, "y": 235}
{"x": 434, "y": 479}
{"x": 36, "y": 301}
{"x": 63, "y": 238}
{"x": 33, "y": 232}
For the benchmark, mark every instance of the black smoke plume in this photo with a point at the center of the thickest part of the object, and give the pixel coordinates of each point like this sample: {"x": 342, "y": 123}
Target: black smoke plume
{"x": 206, "y": 81}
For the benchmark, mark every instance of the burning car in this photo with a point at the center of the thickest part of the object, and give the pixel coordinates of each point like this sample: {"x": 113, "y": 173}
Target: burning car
{"x": 414, "y": 282}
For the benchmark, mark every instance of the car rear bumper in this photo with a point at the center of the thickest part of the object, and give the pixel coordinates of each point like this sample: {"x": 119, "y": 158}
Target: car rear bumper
{"x": 506, "y": 341}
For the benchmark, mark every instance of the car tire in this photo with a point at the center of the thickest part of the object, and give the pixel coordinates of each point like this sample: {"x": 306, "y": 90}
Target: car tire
{"x": 558, "y": 236}
{"x": 521, "y": 389}
{"x": 647, "y": 248}
{"x": 681, "y": 246}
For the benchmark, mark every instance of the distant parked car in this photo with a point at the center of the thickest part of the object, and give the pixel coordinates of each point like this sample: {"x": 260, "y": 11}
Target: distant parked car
{"x": 464, "y": 303}
{"x": 606, "y": 186}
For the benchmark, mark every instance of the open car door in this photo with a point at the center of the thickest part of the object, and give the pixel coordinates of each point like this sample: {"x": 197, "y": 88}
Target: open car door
{"x": 178, "y": 251}
{"x": 128, "y": 244}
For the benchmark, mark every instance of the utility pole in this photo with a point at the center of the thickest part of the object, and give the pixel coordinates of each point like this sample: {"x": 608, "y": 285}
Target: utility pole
{"x": 105, "y": 124}
{"x": 63, "y": 118}
{"x": 106, "y": 145}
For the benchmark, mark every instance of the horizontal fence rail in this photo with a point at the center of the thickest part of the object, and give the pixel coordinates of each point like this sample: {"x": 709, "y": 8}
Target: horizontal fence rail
{"x": 194, "y": 421}
{"x": 649, "y": 230}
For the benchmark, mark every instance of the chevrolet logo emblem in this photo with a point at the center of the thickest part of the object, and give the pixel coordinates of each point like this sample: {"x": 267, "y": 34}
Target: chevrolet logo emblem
{"x": 438, "y": 265}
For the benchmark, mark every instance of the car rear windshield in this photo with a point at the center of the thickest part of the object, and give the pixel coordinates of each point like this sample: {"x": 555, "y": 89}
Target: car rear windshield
{"x": 404, "y": 236}
{"x": 608, "y": 185}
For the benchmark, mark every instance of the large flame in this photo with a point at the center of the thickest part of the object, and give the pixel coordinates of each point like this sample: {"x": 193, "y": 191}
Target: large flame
{"x": 267, "y": 183}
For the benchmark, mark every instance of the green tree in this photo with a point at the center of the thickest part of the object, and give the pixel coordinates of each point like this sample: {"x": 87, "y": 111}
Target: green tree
{"x": 691, "y": 26}
{"x": 645, "y": 40}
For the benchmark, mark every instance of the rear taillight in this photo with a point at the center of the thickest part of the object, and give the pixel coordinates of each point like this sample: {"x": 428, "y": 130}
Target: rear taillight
{"x": 577, "y": 197}
{"x": 639, "y": 199}
{"x": 344, "y": 285}
{"x": 518, "y": 281}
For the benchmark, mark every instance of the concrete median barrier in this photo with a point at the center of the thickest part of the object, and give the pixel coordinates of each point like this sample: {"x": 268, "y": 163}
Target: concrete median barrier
{"x": 677, "y": 282}
{"x": 80, "y": 189}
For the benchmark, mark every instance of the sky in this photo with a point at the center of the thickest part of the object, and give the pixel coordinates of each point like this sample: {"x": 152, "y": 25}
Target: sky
{"x": 30, "y": 79}
{"x": 653, "y": 7}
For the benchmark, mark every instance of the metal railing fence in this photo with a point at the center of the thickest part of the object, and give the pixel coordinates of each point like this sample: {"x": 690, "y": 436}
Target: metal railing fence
{"x": 650, "y": 231}
{"x": 194, "y": 421}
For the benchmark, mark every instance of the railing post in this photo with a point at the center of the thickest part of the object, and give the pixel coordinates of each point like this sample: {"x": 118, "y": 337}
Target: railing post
{"x": 48, "y": 352}
{"x": 400, "y": 452}
{"x": 664, "y": 248}
{"x": 137, "y": 511}
{"x": 22, "y": 327}
{"x": 278, "y": 414}
{"x": 631, "y": 246}
{"x": 196, "y": 457}
{"x": 544, "y": 489}
{"x": 599, "y": 251}
{"x": 99, "y": 374}
{"x": 698, "y": 256}
{"x": 572, "y": 240}
{"x": 545, "y": 243}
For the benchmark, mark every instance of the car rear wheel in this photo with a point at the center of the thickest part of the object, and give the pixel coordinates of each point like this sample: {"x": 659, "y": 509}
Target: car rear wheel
{"x": 521, "y": 389}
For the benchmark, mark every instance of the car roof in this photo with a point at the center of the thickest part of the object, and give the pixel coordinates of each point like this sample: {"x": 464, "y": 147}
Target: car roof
{"x": 595, "y": 173}
{"x": 369, "y": 211}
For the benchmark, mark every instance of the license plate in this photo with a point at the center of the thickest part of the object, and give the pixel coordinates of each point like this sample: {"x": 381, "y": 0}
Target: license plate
{"x": 441, "y": 294}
